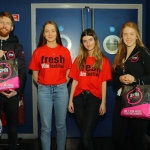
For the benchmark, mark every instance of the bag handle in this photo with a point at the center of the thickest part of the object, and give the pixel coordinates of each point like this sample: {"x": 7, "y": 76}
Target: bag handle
{"x": 135, "y": 83}
{"x": 146, "y": 51}
{"x": 140, "y": 83}
{"x": 123, "y": 68}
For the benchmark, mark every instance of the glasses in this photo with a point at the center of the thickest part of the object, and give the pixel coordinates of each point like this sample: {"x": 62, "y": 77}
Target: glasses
{"x": 5, "y": 23}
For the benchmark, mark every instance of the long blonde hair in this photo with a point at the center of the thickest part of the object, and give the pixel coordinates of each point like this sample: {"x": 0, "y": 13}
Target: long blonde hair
{"x": 122, "y": 50}
{"x": 83, "y": 53}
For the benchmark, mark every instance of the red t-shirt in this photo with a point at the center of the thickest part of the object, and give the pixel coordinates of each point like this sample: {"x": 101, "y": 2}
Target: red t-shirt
{"x": 52, "y": 64}
{"x": 90, "y": 79}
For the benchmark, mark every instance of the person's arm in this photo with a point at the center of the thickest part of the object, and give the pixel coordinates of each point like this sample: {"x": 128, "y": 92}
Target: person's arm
{"x": 73, "y": 87}
{"x": 67, "y": 77}
{"x": 104, "y": 88}
{"x": 102, "y": 110}
{"x": 35, "y": 76}
{"x": 21, "y": 67}
{"x": 116, "y": 76}
{"x": 146, "y": 65}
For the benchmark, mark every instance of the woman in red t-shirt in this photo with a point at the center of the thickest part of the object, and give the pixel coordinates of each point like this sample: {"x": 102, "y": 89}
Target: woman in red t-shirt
{"x": 90, "y": 72}
{"x": 51, "y": 63}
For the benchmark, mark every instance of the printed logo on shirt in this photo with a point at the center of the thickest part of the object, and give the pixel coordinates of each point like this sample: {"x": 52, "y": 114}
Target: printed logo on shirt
{"x": 52, "y": 62}
{"x": 135, "y": 58}
{"x": 5, "y": 71}
{"x": 23, "y": 53}
{"x": 90, "y": 71}
{"x": 10, "y": 55}
{"x": 82, "y": 73}
{"x": 45, "y": 65}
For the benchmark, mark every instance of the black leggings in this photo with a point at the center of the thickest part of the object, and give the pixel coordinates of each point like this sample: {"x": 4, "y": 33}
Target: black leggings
{"x": 10, "y": 108}
{"x": 86, "y": 107}
{"x": 120, "y": 127}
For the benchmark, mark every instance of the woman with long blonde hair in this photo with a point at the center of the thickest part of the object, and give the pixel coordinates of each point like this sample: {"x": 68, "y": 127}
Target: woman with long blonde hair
{"x": 131, "y": 65}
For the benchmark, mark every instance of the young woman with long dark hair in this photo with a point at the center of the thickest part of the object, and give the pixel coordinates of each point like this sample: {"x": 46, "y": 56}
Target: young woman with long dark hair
{"x": 51, "y": 63}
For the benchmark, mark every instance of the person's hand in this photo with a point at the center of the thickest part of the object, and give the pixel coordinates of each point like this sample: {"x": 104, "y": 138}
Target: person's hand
{"x": 9, "y": 93}
{"x": 2, "y": 53}
{"x": 126, "y": 79}
{"x": 71, "y": 107}
{"x": 102, "y": 109}
{"x": 122, "y": 79}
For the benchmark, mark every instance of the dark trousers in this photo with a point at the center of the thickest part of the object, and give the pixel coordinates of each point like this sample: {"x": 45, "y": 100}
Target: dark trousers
{"x": 10, "y": 108}
{"x": 120, "y": 127}
{"x": 86, "y": 107}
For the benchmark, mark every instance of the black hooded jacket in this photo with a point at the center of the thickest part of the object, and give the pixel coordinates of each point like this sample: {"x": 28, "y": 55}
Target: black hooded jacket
{"x": 15, "y": 50}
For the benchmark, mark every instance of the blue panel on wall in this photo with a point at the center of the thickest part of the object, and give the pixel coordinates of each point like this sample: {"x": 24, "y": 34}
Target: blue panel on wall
{"x": 106, "y": 18}
{"x": 71, "y": 25}
{"x": 23, "y": 31}
{"x": 103, "y": 20}
{"x": 70, "y": 21}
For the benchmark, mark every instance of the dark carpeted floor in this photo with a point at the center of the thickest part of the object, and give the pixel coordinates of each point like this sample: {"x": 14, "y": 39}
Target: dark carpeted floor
{"x": 71, "y": 144}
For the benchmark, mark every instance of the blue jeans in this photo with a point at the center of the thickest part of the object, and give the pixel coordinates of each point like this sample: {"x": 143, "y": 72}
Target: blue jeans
{"x": 49, "y": 96}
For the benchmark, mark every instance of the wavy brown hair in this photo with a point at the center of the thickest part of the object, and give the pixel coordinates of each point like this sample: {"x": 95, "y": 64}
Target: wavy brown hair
{"x": 83, "y": 53}
{"x": 42, "y": 39}
{"x": 122, "y": 50}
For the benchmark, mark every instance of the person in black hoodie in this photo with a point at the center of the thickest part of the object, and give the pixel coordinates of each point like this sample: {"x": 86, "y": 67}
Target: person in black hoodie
{"x": 134, "y": 57}
{"x": 9, "y": 100}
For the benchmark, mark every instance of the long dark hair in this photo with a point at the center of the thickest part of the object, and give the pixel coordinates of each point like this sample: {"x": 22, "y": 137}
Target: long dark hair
{"x": 83, "y": 53}
{"x": 42, "y": 39}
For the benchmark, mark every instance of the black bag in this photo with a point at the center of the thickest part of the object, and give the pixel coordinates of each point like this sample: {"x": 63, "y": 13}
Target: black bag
{"x": 9, "y": 75}
{"x": 136, "y": 101}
